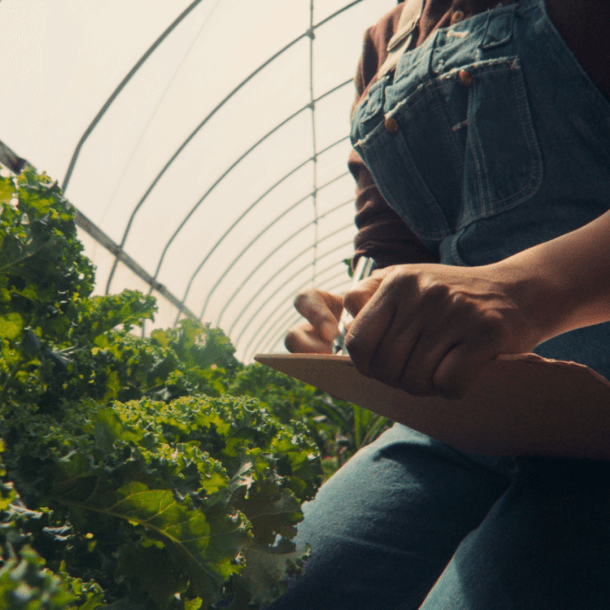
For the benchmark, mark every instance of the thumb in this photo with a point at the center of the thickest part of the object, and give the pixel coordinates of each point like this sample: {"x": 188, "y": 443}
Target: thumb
{"x": 360, "y": 294}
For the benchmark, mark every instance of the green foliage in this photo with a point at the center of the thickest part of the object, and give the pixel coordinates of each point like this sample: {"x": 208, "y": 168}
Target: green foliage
{"x": 206, "y": 354}
{"x": 337, "y": 427}
{"x": 348, "y": 263}
{"x": 25, "y": 583}
{"x": 141, "y": 473}
{"x": 134, "y": 476}
{"x": 137, "y": 485}
{"x": 43, "y": 278}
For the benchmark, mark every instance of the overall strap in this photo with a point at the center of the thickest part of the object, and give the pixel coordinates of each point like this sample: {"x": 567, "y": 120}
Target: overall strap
{"x": 400, "y": 42}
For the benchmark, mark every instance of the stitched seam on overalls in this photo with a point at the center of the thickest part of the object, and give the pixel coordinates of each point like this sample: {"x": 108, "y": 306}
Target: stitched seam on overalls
{"x": 535, "y": 173}
{"x": 433, "y": 207}
{"x": 498, "y": 65}
{"x": 421, "y": 95}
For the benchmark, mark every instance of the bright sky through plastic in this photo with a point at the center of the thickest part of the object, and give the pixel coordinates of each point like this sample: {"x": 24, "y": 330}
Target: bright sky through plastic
{"x": 61, "y": 60}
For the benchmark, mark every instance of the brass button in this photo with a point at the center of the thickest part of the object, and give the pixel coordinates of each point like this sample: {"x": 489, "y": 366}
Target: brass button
{"x": 391, "y": 125}
{"x": 465, "y": 78}
{"x": 457, "y": 17}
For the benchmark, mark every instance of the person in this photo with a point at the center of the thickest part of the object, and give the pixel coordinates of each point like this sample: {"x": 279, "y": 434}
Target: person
{"x": 482, "y": 166}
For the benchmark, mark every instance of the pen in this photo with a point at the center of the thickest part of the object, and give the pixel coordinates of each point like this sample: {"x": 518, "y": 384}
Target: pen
{"x": 363, "y": 269}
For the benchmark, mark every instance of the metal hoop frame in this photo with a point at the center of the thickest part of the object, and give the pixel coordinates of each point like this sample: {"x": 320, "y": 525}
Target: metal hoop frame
{"x": 312, "y": 196}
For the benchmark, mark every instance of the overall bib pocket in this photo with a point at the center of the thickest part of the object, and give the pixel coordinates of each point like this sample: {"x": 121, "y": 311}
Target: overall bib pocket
{"x": 456, "y": 146}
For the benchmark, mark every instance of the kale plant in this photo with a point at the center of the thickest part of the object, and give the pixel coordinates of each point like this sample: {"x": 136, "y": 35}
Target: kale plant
{"x": 131, "y": 478}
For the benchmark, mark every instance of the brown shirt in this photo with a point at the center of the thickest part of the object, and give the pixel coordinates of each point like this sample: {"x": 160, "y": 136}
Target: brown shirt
{"x": 584, "y": 25}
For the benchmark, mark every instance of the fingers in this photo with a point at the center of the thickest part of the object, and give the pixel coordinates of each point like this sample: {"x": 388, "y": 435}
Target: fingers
{"x": 359, "y": 295}
{"x": 423, "y": 363}
{"x": 422, "y": 341}
{"x": 322, "y": 309}
{"x": 405, "y": 358}
{"x": 371, "y": 324}
{"x": 303, "y": 338}
{"x": 411, "y": 351}
{"x": 459, "y": 369}
{"x": 316, "y": 334}
{"x": 462, "y": 365}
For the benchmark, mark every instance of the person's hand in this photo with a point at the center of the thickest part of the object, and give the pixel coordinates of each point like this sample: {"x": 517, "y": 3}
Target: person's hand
{"x": 315, "y": 335}
{"x": 430, "y": 329}
{"x": 322, "y": 311}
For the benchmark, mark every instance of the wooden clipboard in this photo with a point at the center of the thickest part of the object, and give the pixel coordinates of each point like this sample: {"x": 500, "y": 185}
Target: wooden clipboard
{"x": 519, "y": 405}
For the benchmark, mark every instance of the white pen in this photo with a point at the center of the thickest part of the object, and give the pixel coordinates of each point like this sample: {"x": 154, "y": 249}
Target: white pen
{"x": 363, "y": 269}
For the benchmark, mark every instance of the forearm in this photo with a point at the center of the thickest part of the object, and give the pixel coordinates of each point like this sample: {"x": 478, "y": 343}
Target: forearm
{"x": 567, "y": 279}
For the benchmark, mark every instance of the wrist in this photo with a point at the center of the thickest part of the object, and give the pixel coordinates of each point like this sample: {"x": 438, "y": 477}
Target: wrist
{"x": 543, "y": 293}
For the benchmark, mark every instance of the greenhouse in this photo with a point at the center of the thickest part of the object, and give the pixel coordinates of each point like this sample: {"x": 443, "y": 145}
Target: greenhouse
{"x": 205, "y": 404}
{"x": 172, "y": 175}
{"x": 204, "y": 145}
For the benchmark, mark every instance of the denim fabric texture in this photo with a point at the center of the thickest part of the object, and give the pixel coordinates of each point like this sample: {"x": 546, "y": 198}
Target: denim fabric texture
{"x": 489, "y": 139}
{"x": 502, "y": 143}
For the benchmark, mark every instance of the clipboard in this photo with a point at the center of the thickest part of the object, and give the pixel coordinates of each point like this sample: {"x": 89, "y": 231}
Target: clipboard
{"x": 520, "y": 405}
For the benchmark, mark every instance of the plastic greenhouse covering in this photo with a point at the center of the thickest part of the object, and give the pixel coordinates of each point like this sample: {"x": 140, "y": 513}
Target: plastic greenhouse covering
{"x": 204, "y": 144}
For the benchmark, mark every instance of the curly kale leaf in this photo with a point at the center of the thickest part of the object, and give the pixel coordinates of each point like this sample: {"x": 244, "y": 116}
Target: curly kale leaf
{"x": 145, "y": 482}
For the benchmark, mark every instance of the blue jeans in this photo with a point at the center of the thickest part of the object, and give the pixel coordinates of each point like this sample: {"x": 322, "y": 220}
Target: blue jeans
{"x": 482, "y": 166}
{"x": 408, "y": 519}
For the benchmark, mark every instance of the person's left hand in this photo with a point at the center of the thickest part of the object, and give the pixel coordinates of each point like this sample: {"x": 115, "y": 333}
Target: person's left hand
{"x": 430, "y": 329}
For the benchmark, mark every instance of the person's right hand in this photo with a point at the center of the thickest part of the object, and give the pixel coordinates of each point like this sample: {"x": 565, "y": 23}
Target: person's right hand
{"x": 315, "y": 335}
{"x": 322, "y": 311}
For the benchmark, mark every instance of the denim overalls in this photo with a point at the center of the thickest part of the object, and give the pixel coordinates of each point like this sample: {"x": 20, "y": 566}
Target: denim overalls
{"x": 488, "y": 139}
